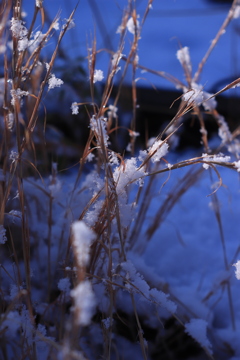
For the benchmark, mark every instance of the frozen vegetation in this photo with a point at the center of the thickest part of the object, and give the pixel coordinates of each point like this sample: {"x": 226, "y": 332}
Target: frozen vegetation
{"x": 131, "y": 255}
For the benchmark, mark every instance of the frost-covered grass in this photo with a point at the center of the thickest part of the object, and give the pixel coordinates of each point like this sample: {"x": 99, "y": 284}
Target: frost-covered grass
{"x": 92, "y": 261}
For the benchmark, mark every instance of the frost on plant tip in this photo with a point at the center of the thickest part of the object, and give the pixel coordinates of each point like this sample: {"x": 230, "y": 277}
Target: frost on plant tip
{"x": 83, "y": 237}
{"x": 237, "y": 272}
{"x": 74, "y": 108}
{"x": 197, "y": 329}
{"x": 39, "y": 3}
{"x": 84, "y": 302}
{"x": 184, "y": 58}
{"x": 98, "y": 76}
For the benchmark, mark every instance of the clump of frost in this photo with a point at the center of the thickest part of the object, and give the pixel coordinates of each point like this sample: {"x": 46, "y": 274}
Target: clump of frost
{"x": 92, "y": 216}
{"x": 99, "y": 126}
{"x": 237, "y": 165}
{"x": 195, "y": 94}
{"x": 20, "y": 32}
{"x": 136, "y": 283}
{"x": 158, "y": 149}
{"x": 142, "y": 155}
{"x": 18, "y": 29}
{"x": 237, "y": 272}
{"x": 134, "y": 134}
{"x": 223, "y": 131}
{"x": 215, "y": 158}
{"x": 106, "y": 323}
{"x": 98, "y": 76}
{"x": 115, "y": 61}
{"x": 197, "y": 329}
{"x": 23, "y": 44}
{"x": 10, "y": 324}
{"x": 17, "y": 94}
{"x": 71, "y": 24}
{"x": 83, "y": 237}
{"x": 14, "y": 291}
{"x": 13, "y": 156}
{"x": 90, "y": 157}
{"x": 234, "y": 147}
{"x": 54, "y": 82}
{"x": 140, "y": 285}
{"x": 161, "y": 298}
{"x": 198, "y": 96}
{"x": 84, "y": 302}
{"x": 10, "y": 121}
{"x": 132, "y": 26}
{"x": 112, "y": 111}
{"x": 236, "y": 13}
{"x": 74, "y": 108}
{"x": 125, "y": 174}
{"x": 113, "y": 159}
{"x": 35, "y": 41}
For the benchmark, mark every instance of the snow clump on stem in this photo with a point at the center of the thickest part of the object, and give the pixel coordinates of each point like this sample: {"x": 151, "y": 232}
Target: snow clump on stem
{"x": 83, "y": 237}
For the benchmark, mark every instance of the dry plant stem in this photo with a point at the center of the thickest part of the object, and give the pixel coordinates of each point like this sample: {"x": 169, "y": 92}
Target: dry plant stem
{"x": 4, "y": 149}
{"x": 25, "y": 237}
{"x": 149, "y": 5}
{"x": 131, "y": 59}
{"x": 183, "y": 109}
{"x": 203, "y": 129}
{"x": 6, "y": 6}
{"x": 17, "y": 68}
{"x": 91, "y": 65}
{"x": 141, "y": 215}
{"x": 216, "y": 208}
{"x": 173, "y": 197}
{"x": 215, "y": 41}
{"x": 140, "y": 330}
{"x": 15, "y": 258}
{"x": 134, "y": 101}
{"x": 49, "y": 238}
{"x": 110, "y": 260}
{"x": 33, "y": 119}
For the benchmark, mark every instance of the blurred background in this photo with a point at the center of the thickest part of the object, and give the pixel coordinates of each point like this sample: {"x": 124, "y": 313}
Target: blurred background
{"x": 169, "y": 25}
